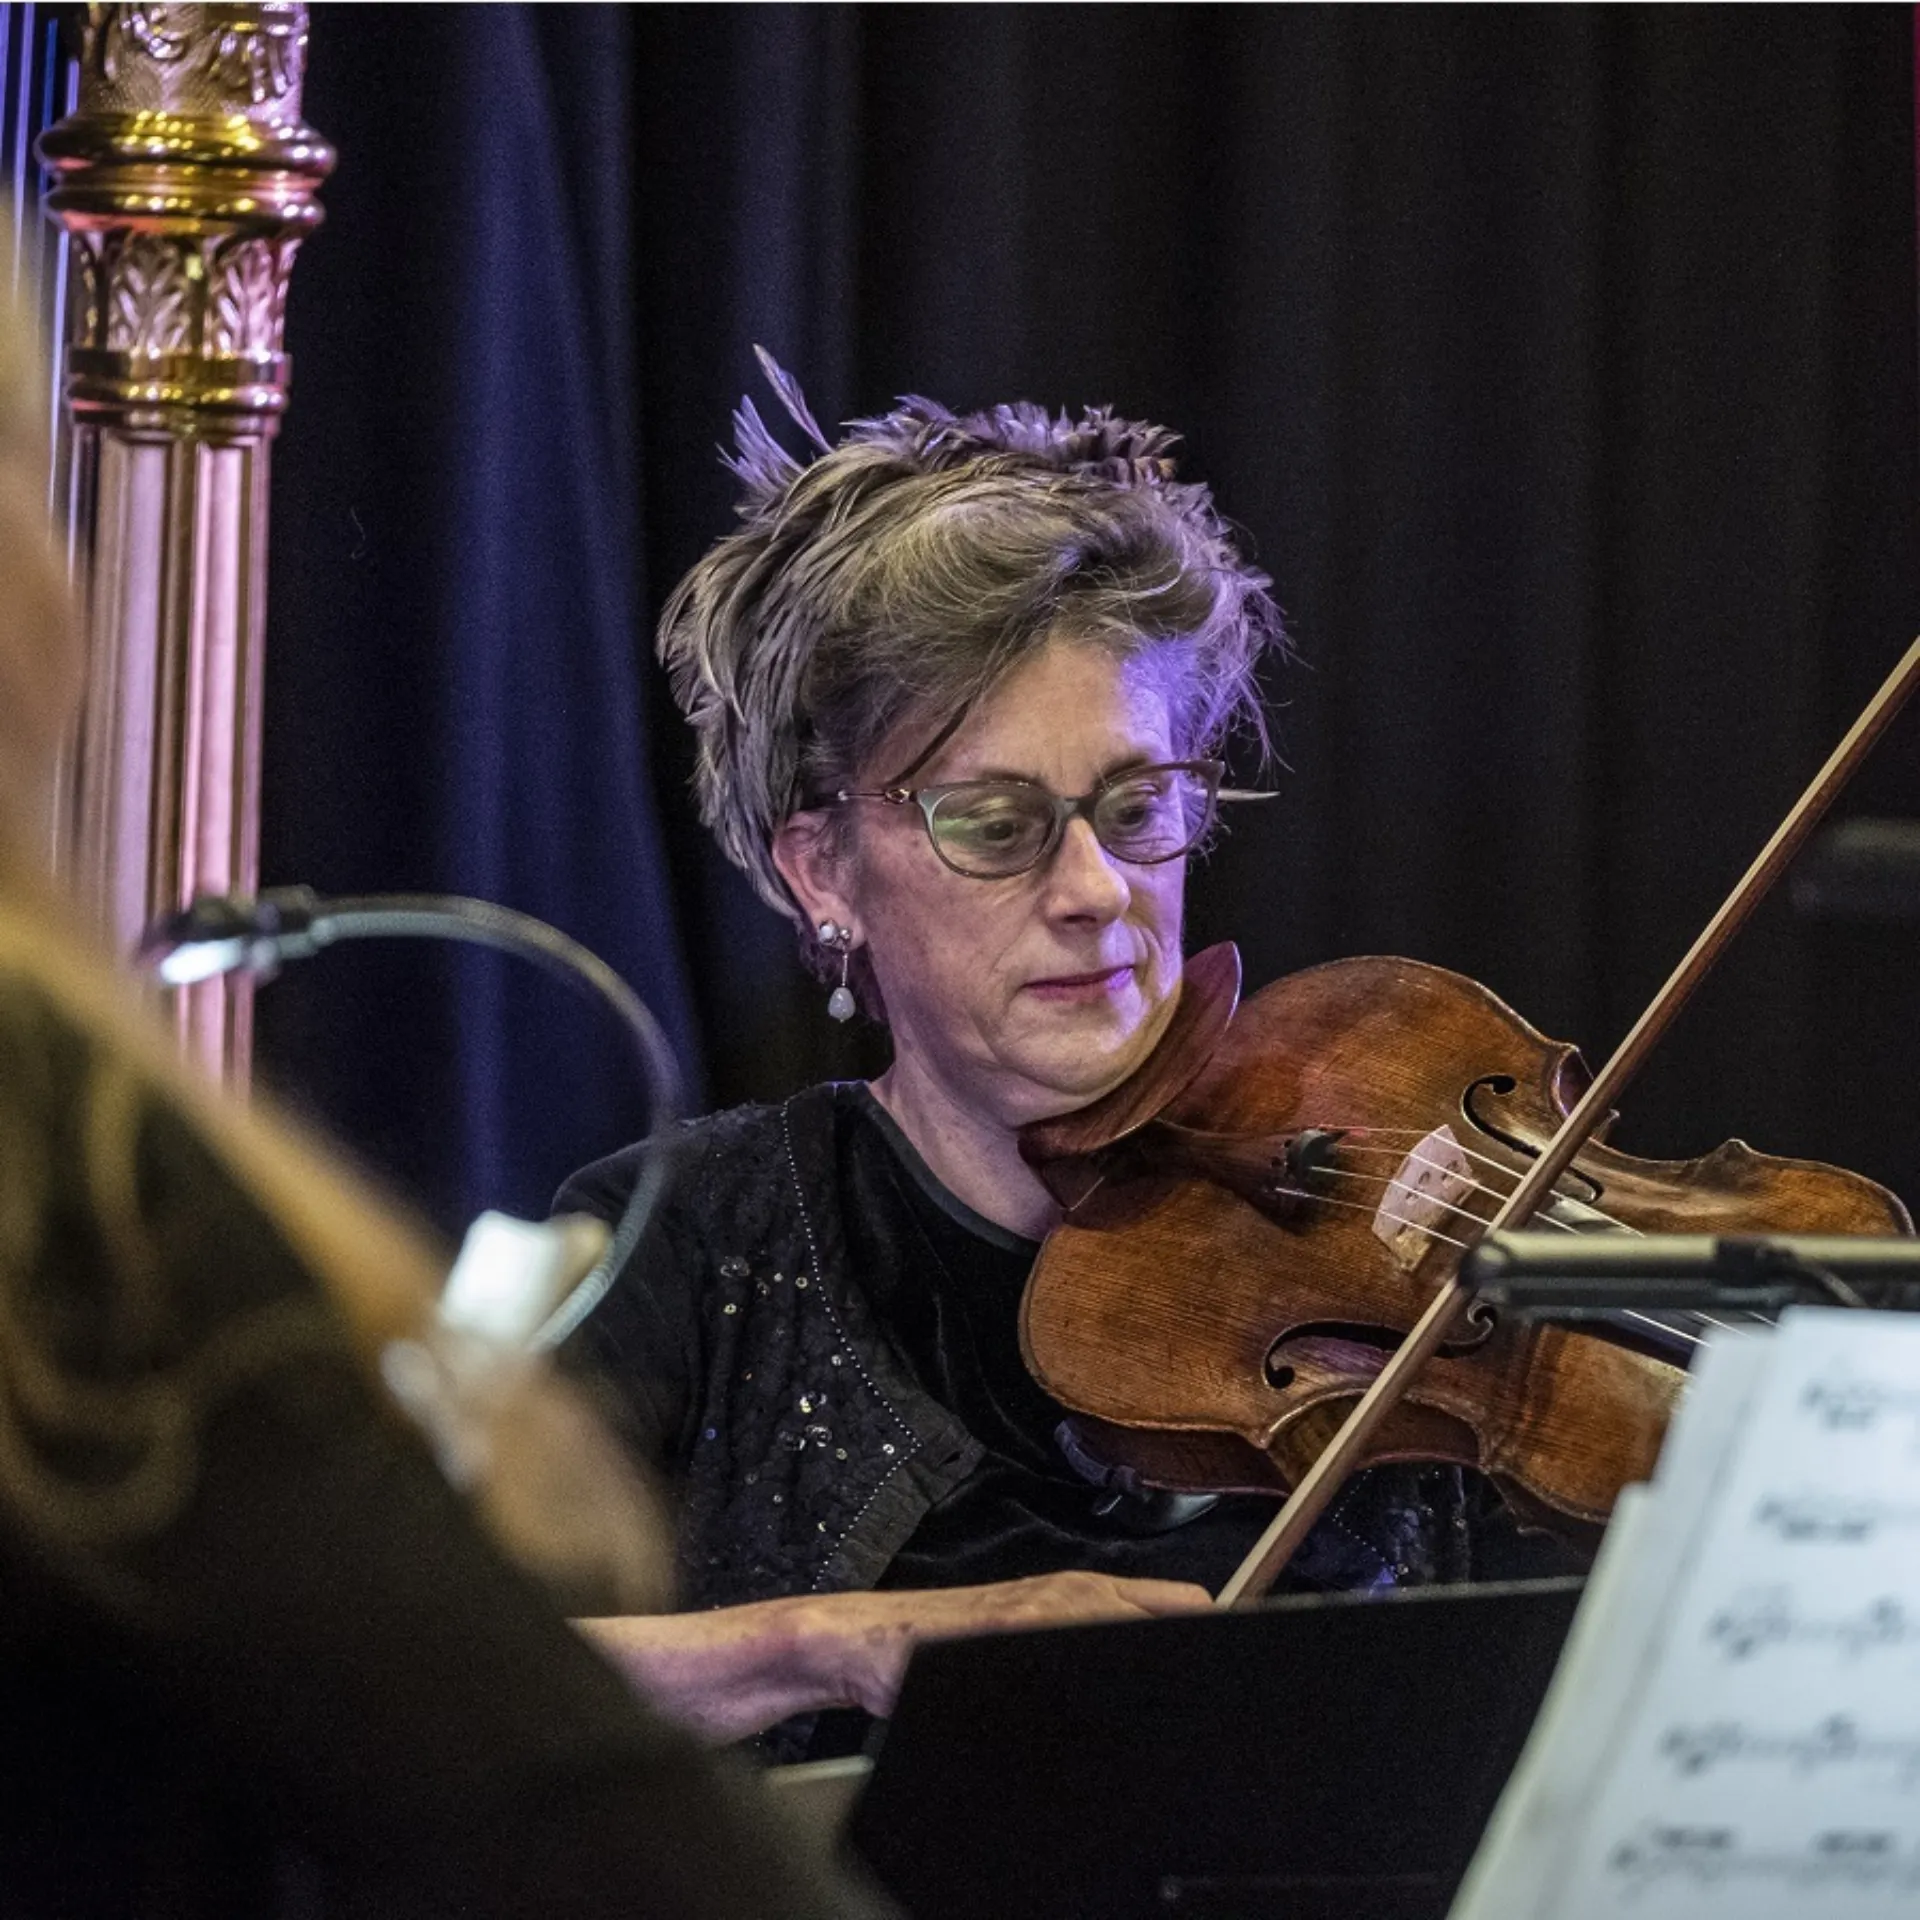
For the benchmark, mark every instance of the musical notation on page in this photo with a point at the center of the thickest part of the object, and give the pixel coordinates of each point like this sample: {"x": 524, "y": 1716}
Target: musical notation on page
{"x": 1717, "y": 1860}
{"x": 1735, "y": 1732}
{"x": 1837, "y": 1741}
{"x": 1755, "y": 1623}
{"x": 1835, "y": 1518}
{"x": 1847, "y": 1402}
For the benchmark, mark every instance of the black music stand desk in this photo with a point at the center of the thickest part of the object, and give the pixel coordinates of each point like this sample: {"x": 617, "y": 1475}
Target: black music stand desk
{"x": 1315, "y": 1756}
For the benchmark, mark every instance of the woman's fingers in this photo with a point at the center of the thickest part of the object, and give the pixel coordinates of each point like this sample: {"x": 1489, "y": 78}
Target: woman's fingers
{"x": 873, "y": 1633}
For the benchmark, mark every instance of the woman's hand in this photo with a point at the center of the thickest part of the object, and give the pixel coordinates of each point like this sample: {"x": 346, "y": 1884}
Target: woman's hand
{"x": 735, "y": 1670}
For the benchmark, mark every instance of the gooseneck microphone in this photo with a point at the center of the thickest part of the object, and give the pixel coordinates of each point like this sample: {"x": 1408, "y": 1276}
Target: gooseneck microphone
{"x": 224, "y": 933}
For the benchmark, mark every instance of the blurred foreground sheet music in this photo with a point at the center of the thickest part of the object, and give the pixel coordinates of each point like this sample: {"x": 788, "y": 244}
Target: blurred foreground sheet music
{"x": 1734, "y": 1729}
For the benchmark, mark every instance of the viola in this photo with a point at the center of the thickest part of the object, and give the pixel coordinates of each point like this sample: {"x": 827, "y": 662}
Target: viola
{"x": 1238, "y": 1262}
{"x": 1257, "y": 1282}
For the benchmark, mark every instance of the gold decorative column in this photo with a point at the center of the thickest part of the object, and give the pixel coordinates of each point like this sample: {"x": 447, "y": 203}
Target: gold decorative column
{"x": 186, "y": 180}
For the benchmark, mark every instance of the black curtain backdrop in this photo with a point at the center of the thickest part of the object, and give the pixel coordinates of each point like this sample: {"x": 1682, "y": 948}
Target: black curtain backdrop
{"x": 1559, "y": 363}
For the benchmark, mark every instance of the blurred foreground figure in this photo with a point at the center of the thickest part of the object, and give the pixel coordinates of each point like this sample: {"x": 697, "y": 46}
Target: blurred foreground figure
{"x": 256, "y": 1656}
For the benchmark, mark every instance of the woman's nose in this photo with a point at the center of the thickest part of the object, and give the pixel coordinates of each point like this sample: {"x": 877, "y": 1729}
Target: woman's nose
{"x": 1084, "y": 881}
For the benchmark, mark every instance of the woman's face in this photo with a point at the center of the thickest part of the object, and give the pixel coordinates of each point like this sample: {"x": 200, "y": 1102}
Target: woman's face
{"x": 1030, "y": 996}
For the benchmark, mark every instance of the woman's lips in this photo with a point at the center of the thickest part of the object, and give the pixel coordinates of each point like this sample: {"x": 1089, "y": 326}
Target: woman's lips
{"x": 1083, "y": 986}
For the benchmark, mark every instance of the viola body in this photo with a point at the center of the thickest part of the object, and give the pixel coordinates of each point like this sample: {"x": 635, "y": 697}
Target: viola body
{"x": 1255, "y": 1223}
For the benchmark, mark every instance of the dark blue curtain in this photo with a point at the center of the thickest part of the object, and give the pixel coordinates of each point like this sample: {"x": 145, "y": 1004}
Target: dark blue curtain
{"x": 1559, "y": 362}
{"x": 456, "y": 694}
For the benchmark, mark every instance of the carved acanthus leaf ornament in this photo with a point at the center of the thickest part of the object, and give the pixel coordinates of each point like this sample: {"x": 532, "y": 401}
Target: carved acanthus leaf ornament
{"x": 187, "y": 180}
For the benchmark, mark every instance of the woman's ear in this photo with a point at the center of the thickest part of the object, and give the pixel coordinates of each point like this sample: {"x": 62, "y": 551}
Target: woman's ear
{"x": 815, "y": 870}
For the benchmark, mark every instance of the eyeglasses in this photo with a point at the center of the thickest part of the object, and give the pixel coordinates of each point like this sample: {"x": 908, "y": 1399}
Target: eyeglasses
{"x": 994, "y": 829}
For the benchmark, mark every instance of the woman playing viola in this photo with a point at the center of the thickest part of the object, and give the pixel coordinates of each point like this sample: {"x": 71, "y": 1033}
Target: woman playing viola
{"x": 959, "y": 685}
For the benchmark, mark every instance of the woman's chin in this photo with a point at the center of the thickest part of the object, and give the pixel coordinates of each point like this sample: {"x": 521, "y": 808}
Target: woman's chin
{"x": 1080, "y": 1061}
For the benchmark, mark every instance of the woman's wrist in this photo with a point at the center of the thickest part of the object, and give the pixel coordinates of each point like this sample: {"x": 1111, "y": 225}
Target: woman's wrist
{"x": 734, "y": 1671}
{"x": 808, "y": 1651}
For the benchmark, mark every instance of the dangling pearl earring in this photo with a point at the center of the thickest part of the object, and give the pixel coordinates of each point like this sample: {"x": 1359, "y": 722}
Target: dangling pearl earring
{"x": 840, "y": 1004}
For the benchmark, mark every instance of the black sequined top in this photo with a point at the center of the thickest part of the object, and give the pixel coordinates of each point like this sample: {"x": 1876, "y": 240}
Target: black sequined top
{"x": 946, "y": 1285}
{"x": 818, "y": 1343}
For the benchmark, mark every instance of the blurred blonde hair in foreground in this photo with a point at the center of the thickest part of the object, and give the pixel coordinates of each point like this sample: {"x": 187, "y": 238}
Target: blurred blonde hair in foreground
{"x": 555, "y": 1490}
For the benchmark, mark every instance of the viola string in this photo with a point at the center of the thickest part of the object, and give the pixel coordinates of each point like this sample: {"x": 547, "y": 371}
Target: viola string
{"x": 1432, "y": 1200}
{"x": 1466, "y": 1246}
{"x": 1625, "y": 1313}
{"x": 1695, "y": 1315}
{"x": 1360, "y": 1206}
{"x": 1698, "y": 1316}
{"x": 1487, "y": 1160}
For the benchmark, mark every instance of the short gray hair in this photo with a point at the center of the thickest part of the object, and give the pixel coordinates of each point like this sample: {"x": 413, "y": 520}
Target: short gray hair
{"x": 890, "y": 583}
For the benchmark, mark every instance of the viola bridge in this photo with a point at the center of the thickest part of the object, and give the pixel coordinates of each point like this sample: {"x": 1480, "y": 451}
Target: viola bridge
{"x": 1426, "y": 1200}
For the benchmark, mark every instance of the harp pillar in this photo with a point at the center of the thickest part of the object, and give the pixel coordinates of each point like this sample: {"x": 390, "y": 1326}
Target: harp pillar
{"x": 186, "y": 180}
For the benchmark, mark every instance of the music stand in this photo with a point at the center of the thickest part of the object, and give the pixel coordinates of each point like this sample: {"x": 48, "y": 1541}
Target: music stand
{"x": 1324, "y": 1755}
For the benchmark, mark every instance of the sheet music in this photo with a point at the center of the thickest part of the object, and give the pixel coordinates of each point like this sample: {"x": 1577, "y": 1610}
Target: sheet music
{"x": 1521, "y": 1864}
{"x": 1735, "y": 1728}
